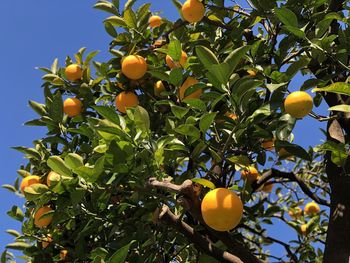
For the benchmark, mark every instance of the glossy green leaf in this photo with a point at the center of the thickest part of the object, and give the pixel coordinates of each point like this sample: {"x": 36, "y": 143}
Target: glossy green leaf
{"x": 58, "y": 165}
{"x": 338, "y": 87}
{"x": 121, "y": 254}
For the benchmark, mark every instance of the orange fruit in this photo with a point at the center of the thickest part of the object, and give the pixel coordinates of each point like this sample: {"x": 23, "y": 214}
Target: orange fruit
{"x": 188, "y": 83}
{"x": 303, "y": 229}
{"x": 126, "y": 99}
{"x": 295, "y": 212}
{"x": 250, "y": 174}
{"x": 74, "y": 72}
{"x": 158, "y": 88}
{"x": 222, "y": 209}
{"x": 231, "y": 115}
{"x": 312, "y": 209}
{"x": 268, "y": 145}
{"x": 134, "y": 67}
{"x": 176, "y": 64}
{"x": 298, "y": 104}
{"x": 42, "y": 222}
{"x": 63, "y": 254}
{"x": 72, "y": 107}
{"x": 155, "y": 21}
{"x": 251, "y": 72}
{"x": 46, "y": 241}
{"x": 267, "y": 188}
{"x": 52, "y": 176}
{"x": 29, "y": 180}
{"x": 193, "y": 11}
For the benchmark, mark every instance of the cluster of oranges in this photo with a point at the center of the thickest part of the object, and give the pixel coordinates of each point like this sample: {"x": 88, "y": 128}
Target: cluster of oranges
{"x": 310, "y": 209}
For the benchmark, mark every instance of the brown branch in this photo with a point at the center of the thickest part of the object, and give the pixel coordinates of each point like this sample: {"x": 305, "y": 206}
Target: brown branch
{"x": 273, "y": 173}
{"x": 293, "y": 55}
{"x": 201, "y": 242}
{"x": 231, "y": 9}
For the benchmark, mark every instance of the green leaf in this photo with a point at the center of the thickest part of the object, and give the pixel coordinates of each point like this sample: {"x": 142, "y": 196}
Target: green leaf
{"x": 116, "y": 21}
{"x": 176, "y": 77}
{"x": 240, "y": 160}
{"x": 196, "y": 104}
{"x": 177, "y": 4}
{"x": 129, "y": 4}
{"x": 338, "y": 87}
{"x": 178, "y": 111}
{"x": 130, "y": 18}
{"x": 35, "y": 191}
{"x": 9, "y": 187}
{"x": 56, "y": 108}
{"x": 221, "y": 72}
{"x": 18, "y": 245}
{"x": 142, "y": 120}
{"x": 206, "y": 120}
{"x": 204, "y": 182}
{"x": 296, "y": 31}
{"x": 120, "y": 255}
{"x": 188, "y": 130}
{"x": 13, "y": 232}
{"x": 38, "y": 107}
{"x": 293, "y": 149}
{"x": 206, "y": 56}
{"x": 57, "y": 164}
{"x": 174, "y": 50}
{"x": 159, "y": 75}
{"x": 235, "y": 56}
{"x": 273, "y": 87}
{"x": 108, "y": 113}
{"x": 16, "y": 213}
{"x": 107, "y": 7}
{"x": 342, "y": 108}
{"x": 286, "y": 16}
{"x": 73, "y": 160}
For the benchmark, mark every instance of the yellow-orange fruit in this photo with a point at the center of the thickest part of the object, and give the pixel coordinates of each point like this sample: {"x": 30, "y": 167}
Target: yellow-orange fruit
{"x": 52, "y": 176}
{"x": 176, "y": 64}
{"x": 158, "y": 43}
{"x": 251, "y": 72}
{"x": 29, "y": 180}
{"x": 193, "y": 11}
{"x": 303, "y": 229}
{"x": 231, "y": 115}
{"x": 295, "y": 212}
{"x": 63, "y": 254}
{"x": 74, "y": 72}
{"x": 46, "y": 241}
{"x": 250, "y": 174}
{"x": 312, "y": 209}
{"x": 267, "y": 188}
{"x": 221, "y": 209}
{"x": 188, "y": 83}
{"x": 155, "y": 21}
{"x": 42, "y": 222}
{"x": 72, "y": 107}
{"x": 134, "y": 67}
{"x": 126, "y": 99}
{"x": 268, "y": 145}
{"x": 158, "y": 88}
{"x": 298, "y": 104}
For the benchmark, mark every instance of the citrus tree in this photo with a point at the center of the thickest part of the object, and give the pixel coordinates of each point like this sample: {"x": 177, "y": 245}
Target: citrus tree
{"x": 179, "y": 148}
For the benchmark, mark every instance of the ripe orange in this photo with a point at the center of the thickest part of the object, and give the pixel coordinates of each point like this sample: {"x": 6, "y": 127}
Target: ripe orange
{"x": 188, "y": 83}
{"x": 72, "y": 107}
{"x": 63, "y": 254}
{"x": 295, "y": 212}
{"x": 46, "y": 241}
{"x": 251, "y": 72}
{"x": 42, "y": 222}
{"x": 176, "y": 64}
{"x": 311, "y": 209}
{"x": 250, "y": 174}
{"x": 29, "y": 180}
{"x": 267, "y": 188}
{"x": 303, "y": 229}
{"x": 74, "y": 72}
{"x": 158, "y": 88}
{"x": 221, "y": 209}
{"x": 193, "y": 11}
{"x": 52, "y": 176}
{"x": 155, "y": 21}
{"x": 298, "y": 104}
{"x": 231, "y": 115}
{"x": 126, "y": 99}
{"x": 134, "y": 67}
{"x": 268, "y": 145}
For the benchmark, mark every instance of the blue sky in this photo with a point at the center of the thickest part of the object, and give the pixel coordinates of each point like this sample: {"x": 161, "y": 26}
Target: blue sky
{"x": 34, "y": 33}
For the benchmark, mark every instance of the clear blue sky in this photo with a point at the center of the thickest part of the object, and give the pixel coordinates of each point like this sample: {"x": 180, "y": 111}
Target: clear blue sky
{"x": 33, "y": 34}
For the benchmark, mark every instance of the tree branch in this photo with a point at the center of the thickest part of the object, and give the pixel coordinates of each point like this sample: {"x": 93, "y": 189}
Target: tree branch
{"x": 202, "y": 243}
{"x": 273, "y": 173}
